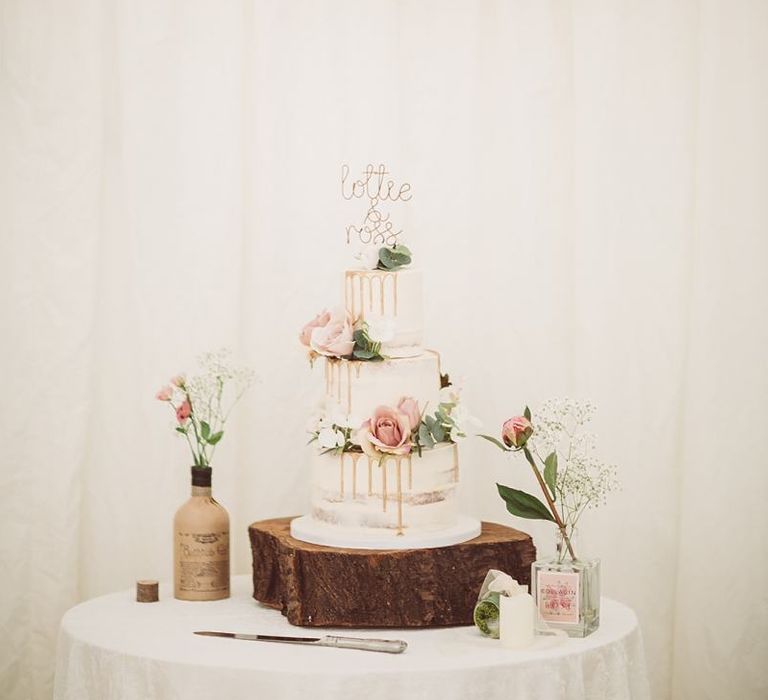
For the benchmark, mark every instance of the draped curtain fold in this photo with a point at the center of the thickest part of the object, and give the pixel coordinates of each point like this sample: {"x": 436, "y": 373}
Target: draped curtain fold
{"x": 589, "y": 209}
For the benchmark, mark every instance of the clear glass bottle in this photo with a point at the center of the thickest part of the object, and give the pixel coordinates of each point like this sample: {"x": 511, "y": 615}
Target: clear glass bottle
{"x": 566, "y": 590}
{"x": 201, "y": 544}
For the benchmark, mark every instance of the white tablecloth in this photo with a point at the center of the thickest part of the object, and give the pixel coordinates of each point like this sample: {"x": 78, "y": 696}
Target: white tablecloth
{"x": 114, "y": 648}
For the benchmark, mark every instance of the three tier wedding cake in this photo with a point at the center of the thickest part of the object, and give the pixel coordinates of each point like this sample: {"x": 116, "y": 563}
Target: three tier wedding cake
{"x": 385, "y": 462}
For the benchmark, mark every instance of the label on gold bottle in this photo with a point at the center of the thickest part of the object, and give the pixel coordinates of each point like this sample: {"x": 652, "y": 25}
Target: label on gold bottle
{"x": 557, "y": 596}
{"x": 203, "y": 561}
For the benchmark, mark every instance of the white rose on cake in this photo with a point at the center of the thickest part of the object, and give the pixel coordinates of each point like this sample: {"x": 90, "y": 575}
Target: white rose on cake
{"x": 317, "y": 415}
{"x": 366, "y": 256}
{"x": 329, "y": 438}
{"x": 464, "y": 423}
{"x": 451, "y": 393}
{"x": 340, "y": 419}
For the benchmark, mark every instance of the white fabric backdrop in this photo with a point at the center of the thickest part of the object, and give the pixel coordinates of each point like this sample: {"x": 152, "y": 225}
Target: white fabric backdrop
{"x": 589, "y": 209}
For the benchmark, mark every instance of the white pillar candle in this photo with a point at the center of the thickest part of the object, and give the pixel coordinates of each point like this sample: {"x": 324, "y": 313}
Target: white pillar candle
{"x": 516, "y": 620}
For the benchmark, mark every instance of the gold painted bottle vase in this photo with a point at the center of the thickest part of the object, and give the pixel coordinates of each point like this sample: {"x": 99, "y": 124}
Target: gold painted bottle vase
{"x": 201, "y": 544}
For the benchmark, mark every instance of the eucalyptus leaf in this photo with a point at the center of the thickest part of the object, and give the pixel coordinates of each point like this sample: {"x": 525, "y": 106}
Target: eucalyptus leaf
{"x": 425, "y": 438}
{"x": 550, "y": 473}
{"x": 444, "y": 415}
{"x": 361, "y": 337}
{"x": 438, "y": 432}
{"x": 394, "y": 258}
{"x": 523, "y": 505}
{"x": 496, "y": 442}
{"x": 360, "y": 354}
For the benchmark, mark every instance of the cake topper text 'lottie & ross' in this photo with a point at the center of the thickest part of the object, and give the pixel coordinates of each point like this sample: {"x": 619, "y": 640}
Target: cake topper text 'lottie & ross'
{"x": 376, "y": 227}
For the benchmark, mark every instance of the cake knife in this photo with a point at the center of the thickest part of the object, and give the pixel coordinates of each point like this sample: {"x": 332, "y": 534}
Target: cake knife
{"x": 390, "y": 646}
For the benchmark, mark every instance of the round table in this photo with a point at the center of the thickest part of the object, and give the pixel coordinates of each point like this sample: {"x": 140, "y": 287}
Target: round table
{"x": 113, "y": 647}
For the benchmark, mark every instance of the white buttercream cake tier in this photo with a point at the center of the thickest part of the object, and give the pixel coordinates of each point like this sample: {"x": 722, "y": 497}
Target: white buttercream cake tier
{"x": 355, "y": 388}
{"x": 394, "y": 502}
{"x": 384, "y": 298}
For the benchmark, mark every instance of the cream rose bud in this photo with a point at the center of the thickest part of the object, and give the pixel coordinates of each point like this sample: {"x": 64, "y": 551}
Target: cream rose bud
{"x": 516, "y": 431}
{"x": 319, "y": 321}
{"x": 179, "y": 380}
{"x": 410, "y": 407}
{"x": 336, "y": 338}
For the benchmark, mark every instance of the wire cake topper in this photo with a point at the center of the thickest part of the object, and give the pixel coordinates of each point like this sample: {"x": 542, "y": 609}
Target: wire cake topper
{"x": 376, "y": 227}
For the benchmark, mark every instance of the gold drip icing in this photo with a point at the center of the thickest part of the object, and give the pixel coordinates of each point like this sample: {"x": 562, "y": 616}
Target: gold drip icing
{"x": 355, "y": 457}
{"x": 341, "y": 475}
{"x": 455, "y": 463}
{"x": 410, "y": 472}
{"x": 349, "y": 387}
{"x": 394, "y": 293}
{"x": 383, "y": 465}
{"x": 333, "y": 377}
{"x": 358, "y": 367}
{"x": 361, "y": 283}
{"x": 439, "y": 366}
{"x": 370, "y": 476}
{"x": 371, "y": 280}
{"x": 399, "y": 496}
{"x": 380, "y": 280}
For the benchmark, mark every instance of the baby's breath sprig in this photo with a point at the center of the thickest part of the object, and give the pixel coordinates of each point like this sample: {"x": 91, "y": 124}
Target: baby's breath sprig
{"x": 204, "y": 402}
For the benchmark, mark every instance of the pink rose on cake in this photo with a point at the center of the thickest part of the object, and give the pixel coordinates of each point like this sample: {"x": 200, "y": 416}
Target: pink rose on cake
{"x": 319, "y": 321}
{"x": 410, "y": 407}
{"x": 335, "y": 337}
{"x": 388, "y": 431}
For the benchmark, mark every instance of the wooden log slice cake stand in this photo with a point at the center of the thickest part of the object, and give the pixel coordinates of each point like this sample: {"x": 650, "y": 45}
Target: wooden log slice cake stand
{"x": 317, "y": 586}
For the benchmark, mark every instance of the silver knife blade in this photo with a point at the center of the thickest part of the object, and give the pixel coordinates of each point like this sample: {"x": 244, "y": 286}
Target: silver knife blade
{"x": 389, "y": 646}
{"x": 260, "y": 637}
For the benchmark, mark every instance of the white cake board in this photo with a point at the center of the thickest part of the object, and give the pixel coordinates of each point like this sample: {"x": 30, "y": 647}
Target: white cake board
{"x": 313, "y": 531}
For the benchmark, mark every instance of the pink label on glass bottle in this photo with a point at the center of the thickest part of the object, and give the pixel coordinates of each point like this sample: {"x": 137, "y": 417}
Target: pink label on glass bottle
{"x": 558, "y": 596}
